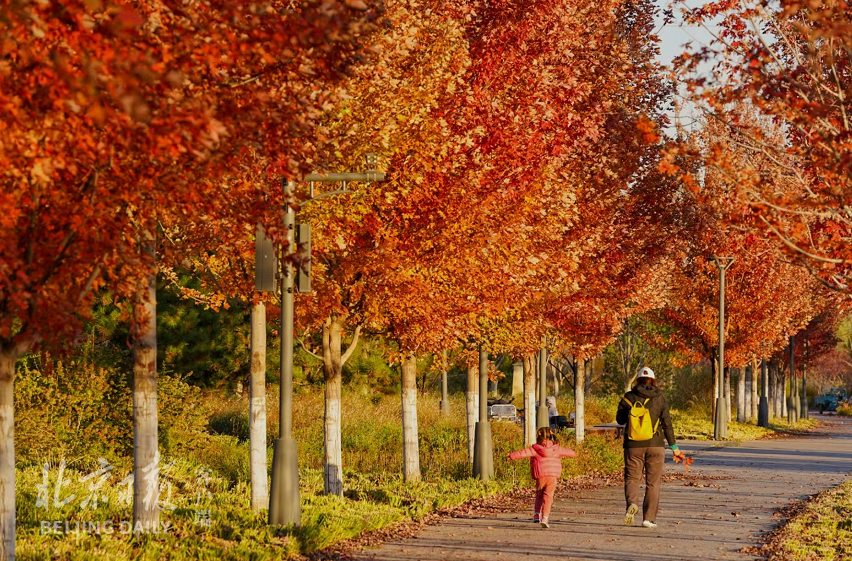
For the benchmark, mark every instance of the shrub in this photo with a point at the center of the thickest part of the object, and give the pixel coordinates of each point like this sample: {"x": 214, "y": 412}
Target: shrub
{"x": 233, "y": 422}
{"x": 71, "y": 410}
{"x": 80, "y": 412}
{"x": 845, "y": 409}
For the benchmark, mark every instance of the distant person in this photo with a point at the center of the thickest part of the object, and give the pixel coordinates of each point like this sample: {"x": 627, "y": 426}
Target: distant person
{"x": 552, "y": 412}
{"x": 550, "y": 402}
{"x": 645, "y": 413}
{"x": 546, "y": 467}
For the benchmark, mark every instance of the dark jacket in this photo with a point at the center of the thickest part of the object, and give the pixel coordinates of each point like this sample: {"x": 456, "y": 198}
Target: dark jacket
{"x": 658, "y": 408}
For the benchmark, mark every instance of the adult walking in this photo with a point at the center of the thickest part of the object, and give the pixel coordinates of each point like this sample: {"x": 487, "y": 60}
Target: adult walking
{"x": 645, "y": 414}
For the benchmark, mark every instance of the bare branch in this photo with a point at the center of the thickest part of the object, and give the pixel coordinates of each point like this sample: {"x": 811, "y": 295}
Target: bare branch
{"x": 352, "y": 346}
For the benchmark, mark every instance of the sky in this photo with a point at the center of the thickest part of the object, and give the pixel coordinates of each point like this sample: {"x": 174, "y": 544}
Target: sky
{"x": 673, "y": 40}
{"x": 673, "y": 36}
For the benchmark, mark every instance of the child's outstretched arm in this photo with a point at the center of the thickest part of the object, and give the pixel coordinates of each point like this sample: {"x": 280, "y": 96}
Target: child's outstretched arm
{"x": 521, "y": 454}
{"x": 567, "y": 452}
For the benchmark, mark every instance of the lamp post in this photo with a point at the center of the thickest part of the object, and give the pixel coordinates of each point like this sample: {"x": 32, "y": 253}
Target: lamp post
{"x": 720, "y": 427}
{"x": 483, "y": 456}
{"x": 284, "y": 505}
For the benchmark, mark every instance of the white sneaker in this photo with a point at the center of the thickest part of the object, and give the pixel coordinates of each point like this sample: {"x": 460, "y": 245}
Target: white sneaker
{"x": 631, "y": 512}
{"x": 649, "y": 524}
{"x": 544, "y": 523}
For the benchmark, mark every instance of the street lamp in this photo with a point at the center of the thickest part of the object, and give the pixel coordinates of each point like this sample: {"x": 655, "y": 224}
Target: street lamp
{"x": 483, "y": 456}
{"x": 720, "y": 427}
{"x": 284, "y": 505}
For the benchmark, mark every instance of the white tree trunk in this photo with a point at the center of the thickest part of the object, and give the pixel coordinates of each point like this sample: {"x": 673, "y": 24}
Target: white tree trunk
{"x": 580, "y": 403}
{"x": 410, "y": 444}
{"x": 771, "y": 391}
{"x": 517, "y": 379}
{"x": 741, "y": 391}
{"x": 728, "y": 393}
{"x": 782, "y": 393}
{"x": 529, "y": 401}
{"x": 754, "y": 402}
{"x": 8, "y": 357}
{"x": 333, "y": 438}
{"x": 257, "y": 410}
{"x": 554, "y": 377}
{"x": 333, "y": 366}
{"x": 471, "y": 406}
{"x": 747, "y": 374}
{"x": 145, "y": 454}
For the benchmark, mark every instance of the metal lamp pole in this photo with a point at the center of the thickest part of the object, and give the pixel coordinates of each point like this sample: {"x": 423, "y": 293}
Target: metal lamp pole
{"x": 284, "y": 505}
{"x": 483, "y": 456}
{"x": 720, "y": 427}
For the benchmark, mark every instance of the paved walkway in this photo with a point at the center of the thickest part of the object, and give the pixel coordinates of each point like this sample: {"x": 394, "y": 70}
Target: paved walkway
{"x": 703, "y": 519}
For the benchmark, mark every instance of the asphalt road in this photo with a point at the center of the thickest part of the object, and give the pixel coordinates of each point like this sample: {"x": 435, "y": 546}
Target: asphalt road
{"x": 705, "y": 518}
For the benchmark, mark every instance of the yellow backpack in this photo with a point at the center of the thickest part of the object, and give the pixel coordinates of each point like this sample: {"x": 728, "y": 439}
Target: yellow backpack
{"x": 640, "y": 427}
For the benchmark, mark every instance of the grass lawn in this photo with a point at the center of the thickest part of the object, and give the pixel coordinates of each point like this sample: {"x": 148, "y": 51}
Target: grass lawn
{"x": 821, "y": 530}
{"x": 689, "y": 426}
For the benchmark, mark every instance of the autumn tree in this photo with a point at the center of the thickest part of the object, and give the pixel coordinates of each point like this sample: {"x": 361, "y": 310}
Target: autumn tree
{"x": 789, "y": 63}
{"x": 118, "y": 121}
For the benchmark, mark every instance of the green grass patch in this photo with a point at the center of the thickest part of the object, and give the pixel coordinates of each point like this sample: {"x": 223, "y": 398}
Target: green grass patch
{"x": 697, "y": 425}
{"x": 821, "y": 530}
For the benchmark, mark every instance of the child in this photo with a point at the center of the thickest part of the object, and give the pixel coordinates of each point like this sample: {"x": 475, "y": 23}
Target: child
{"x": 546, "y": 467}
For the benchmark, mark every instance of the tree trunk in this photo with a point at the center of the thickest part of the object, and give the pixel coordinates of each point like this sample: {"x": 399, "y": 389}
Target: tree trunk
{"x": 728, "y": 393}
{"x": 410, "y": 446}
{"x": 714, "y": 364}
{"x": 517, "y": 379}
{"x": 333, "y": 368}
{"x": 146, "y": 457}
{"x": 770, "y": 390}
{"x": 445, "y": 398}
{"x": 741, "y": 393}
{"x": 580, "y": 403}
{"x": 257, "y": 410}
{"x": 471, "y": 407}
{"x": 554, "y": 375}
{"x": 8, "y": 358}
{"x": 590, "y": 374}
{"x": 782, "y": 393}
{"x": 779, "y": 393}
{"x": 748, "y": 376}
{"x": 755, "y": 389}
{"x": 529, "y": 400}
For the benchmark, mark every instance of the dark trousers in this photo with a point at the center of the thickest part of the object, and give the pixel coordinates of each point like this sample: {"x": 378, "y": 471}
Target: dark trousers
{"x": 647, "y": 461}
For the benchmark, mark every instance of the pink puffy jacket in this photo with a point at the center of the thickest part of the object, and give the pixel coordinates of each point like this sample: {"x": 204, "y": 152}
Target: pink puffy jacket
{"x": 545, "y": 458}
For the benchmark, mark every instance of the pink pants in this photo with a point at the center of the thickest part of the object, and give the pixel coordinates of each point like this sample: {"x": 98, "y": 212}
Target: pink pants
{"x": 545, "y": 488}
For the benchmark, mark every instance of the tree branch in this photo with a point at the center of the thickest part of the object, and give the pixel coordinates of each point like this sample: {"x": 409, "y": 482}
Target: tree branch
{"x": 352, "y": 345}
{"x": 307, "y": 350}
